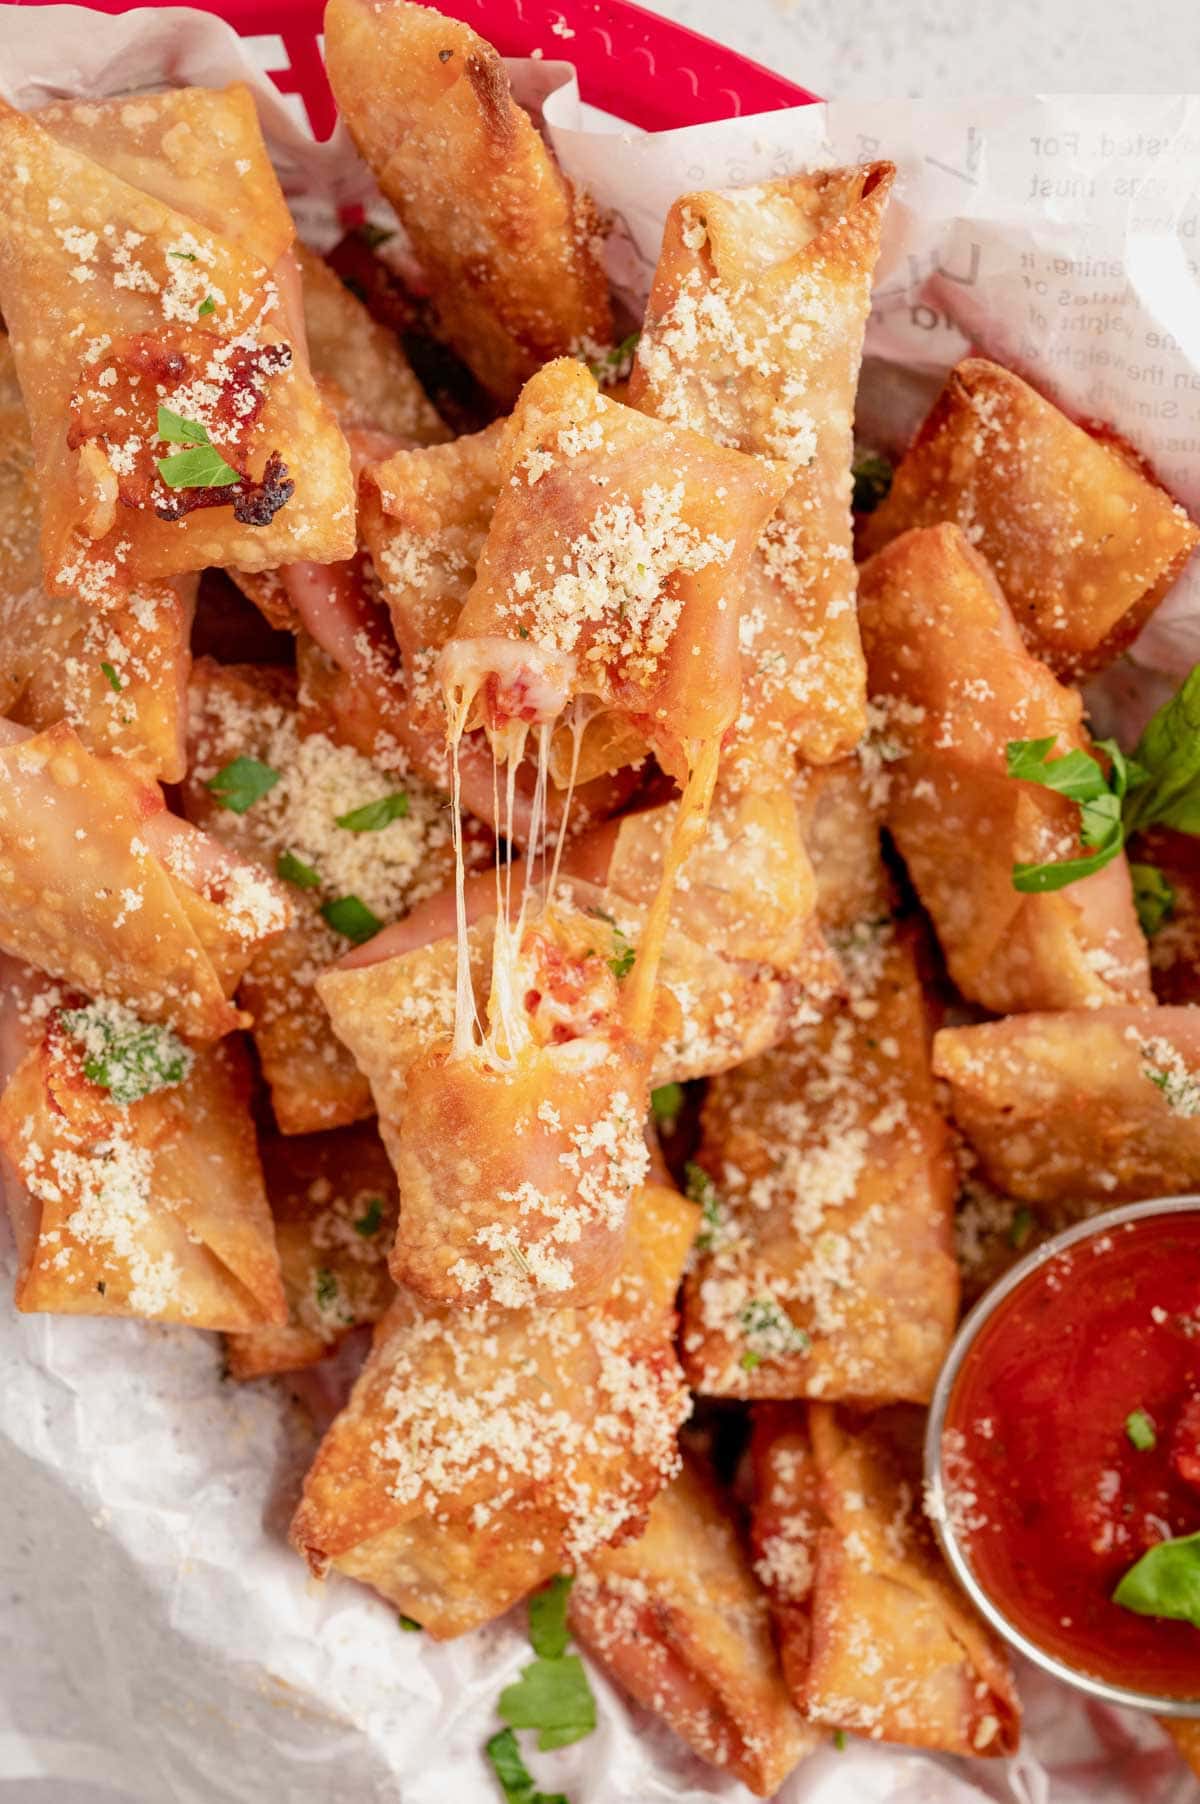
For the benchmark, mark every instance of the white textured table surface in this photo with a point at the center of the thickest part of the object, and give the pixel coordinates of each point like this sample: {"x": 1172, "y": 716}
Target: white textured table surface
{"x": 870, "y": 49}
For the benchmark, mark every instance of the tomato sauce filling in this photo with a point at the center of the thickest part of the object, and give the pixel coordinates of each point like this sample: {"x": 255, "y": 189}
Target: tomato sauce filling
{"x": 1072, "y": 1446}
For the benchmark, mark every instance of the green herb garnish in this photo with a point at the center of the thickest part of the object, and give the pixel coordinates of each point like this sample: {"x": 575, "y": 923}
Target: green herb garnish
{"x": 749, "y": 1361}
{"x": 201, "y": 465}
{"x": 1158, "y": 786}
{"x": 127, "y": 1057}
{"x": 1020, "y": 1228}
{"x": 368, "y": 1222}
{"x": 872, "y": 480}
{"x": 548, "y": 1632}
{"x": 372, "y": 817}
{"x": 349, "y": 916}
{"x": 183, "y": 256}
{"x": 515, "y": 1779}
{"x": 762, "y": 1321}
{"x": 1165, "y": 1582}
{"x": 553, "y": 1697}
{"x": 111, "y": 678}
{"x": 1140, "y": 1430}
{"x": 1153, "y": 897}
{"x": 294, "y": 870}
{"x": 665, "y": 1104}
{"x": 615, "y": 363}
{"x": 699, "y": 1188}
{"x": 839, "y": 1740}
{"x": 327, "y": 1288}
{"x": 410, "y": 1624}
{"x": 1081, "y": 778}
{"x": 241, "y": 783}
{"x": 207, "y": 305}
{"x": 374, "y": 235}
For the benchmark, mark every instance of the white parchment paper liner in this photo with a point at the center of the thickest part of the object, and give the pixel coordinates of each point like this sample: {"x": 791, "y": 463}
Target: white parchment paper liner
{"x": 159, "y": 1643}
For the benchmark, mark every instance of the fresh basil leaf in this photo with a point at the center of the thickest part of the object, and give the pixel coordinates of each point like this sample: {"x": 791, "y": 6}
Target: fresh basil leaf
{"x": 1139, "y": 1430}
{"x": 111, "y": 677}
{"x": 514, "y": 1777}
{"x": 872, "y": 481}
{"x": 553, "y": 1697}
{"x": 373, "y": 816}
{"x": 241, "y": 783}
{"x": 351, "y": 917}
{"x": 1099, "y": 818}
{"x": 207, "y": 305}
{"x": 294, "y": 870}
{"x": 1076, "y": 775}
{"x": 1038, "y": 879}
{"x": 175, "y": 430}
{"x": 1153, "y": 897}
{"x": 1165, "y": 1582}
{"x": 1169, "y": 754}
{"x": 548, "y": 1632}
{"x": 201, "y": 467}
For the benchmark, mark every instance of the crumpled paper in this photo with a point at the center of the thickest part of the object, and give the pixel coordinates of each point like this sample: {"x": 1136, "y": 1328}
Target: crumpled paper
{"x": 159, "y": 1643}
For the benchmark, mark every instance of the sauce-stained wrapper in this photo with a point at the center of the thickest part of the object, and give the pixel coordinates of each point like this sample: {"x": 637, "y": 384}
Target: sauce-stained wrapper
{"x": 161, "y": 1643}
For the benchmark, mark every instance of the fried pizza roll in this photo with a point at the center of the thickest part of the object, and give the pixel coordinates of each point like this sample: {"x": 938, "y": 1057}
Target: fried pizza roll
{"x": 1082, "y": 1104}
{"x": 101, "y": 887}
{"x": 609, "y": 575}
{"x": 825, "y": 1267}
{"x": 388, "y": 1000}
{"x": 747, "y": 890}
{"x": 132, "y": 1175}
{"x": 840, "y": 813}
{"x": 483, "y": 1451}
{"x": 424, "y": 515}
{"x": 333, "y": 1203}
{"x": 508, "y": 249}
{"x": 175, "y": 422}
{"x": 357, "y": 841}
{"x": 117, "y": 675}
{"x": 1082, "y": 542}
{"x": 365, "y": 361}
{"x": 753, "y": 336}
{"x": 954, "y": 685}
{"x": 874, "y": 1635}
{"x": 679, "y": 1620}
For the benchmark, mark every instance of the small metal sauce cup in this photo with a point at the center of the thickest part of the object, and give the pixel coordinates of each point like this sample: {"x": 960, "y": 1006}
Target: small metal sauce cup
{"x": 952, "y": 1546}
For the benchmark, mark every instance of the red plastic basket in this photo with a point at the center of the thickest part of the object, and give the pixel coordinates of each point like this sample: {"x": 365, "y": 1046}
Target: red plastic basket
{"x": 634, "y": 64}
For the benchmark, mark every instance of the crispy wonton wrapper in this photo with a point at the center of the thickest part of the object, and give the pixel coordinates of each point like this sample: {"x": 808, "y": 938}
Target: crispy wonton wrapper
{"x": 117, "y": 675}
{"x": 424, "y": 515}
{"x": 753, "y": 335}
{"x": 826, "y": 1266}
{"x": 151, "y": 267}
{"x": 1083, "y": 1104}
{"x": 680, "y": 1621}
{"x": 364, "y": 359}
{"x": 254, "y": 711}
{"x": 874, "y": 1634}
{"x": 101, "y": 887}
{"x": 333, "y": 1202}
{"x": 610, "y": 573}
{"x": 1083, "y": 544}
{"x": 151, "y": 1208}
{"x": 508, "y": 249}
{"x": 955, "y": 685}
{"x": 483, "y": 1450}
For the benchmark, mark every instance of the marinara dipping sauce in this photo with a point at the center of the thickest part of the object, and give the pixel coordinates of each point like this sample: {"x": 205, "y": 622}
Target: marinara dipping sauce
{"x": 1065, "y": 1443}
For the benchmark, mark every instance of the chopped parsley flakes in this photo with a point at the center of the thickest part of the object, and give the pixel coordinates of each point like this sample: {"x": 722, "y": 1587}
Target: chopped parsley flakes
{"x": 1139, "y": 1430}
{"x": 348, "y": 916}
{"x": 552, "y": 1696}
{"x": 665, "y": 1104}
{"x": 241, "y": 783}
{"x": 294, "y": 870}
{"x": 515, "y": 1778}
{"x": 369, "y": 1221}
{"x": 111, "y": 677}
{"x": 124, "y": 1055}
{"x": 372, "y": 817}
